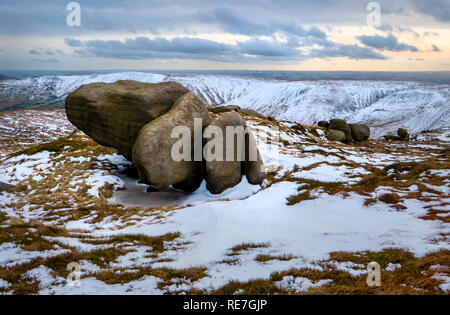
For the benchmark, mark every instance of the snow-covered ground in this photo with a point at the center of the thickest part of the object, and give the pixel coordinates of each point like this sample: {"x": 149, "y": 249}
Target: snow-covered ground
{"x": 67, "y": 189}
{"x": 385, "y": 106}
{"x": 24, "y": 128}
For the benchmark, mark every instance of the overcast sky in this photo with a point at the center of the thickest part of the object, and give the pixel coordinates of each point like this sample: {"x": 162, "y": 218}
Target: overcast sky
{"x": 414, "y": 35}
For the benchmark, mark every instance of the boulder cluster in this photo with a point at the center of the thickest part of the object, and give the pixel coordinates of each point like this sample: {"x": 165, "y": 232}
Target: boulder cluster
{"x": 339, "y": 130}
{"x": 402, "y": 135}
{"x": 138, "y": 118}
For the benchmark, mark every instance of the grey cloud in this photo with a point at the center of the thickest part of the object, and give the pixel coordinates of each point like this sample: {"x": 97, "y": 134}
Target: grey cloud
{"x": 435, "y": 48}
{"x": 388, "y": 28}
{"x": 132, "y": 16}
{"x": 265, "y": 48}
{"x": 73, "y": 42}
{"x": 194, "y": 48}
{"x": 34, "y": 52}
{"x": 349, "y": 51}
{"x": 145, "y": 48}
{"x": 231, "y": 20}
{"x": 51, "y": 60}
{"x": 389, "y": 42}
{"x": 439, "y": 9}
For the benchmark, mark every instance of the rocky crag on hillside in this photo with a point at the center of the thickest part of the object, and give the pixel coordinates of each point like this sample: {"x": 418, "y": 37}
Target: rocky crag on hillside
{"x": 138, "y": 118}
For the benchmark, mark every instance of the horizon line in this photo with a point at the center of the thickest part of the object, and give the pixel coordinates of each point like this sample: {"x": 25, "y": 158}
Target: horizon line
{"x": 174, "y": 70}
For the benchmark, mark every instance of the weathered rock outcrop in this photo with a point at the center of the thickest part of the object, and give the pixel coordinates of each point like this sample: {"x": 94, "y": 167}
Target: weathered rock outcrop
{"x": 113, "y": 114}
{"x": 224, "y": 109}
{"x": 140, "y": 120}
{"x": 402, "y": 135}
{"x": 152, "y": 152}
{"x": 222, "y": 172}
{"x": 360, "y": 132}
{"x": 341, "y": 125}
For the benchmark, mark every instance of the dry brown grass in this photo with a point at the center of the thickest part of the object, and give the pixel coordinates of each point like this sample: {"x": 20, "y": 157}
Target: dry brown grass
{"x": 167, "y": 275}
{"x": 55, "y": 191}
{"x": 414, "y": 277}
{"x": 266, "y": 258}
{"x": 247, "y": 246}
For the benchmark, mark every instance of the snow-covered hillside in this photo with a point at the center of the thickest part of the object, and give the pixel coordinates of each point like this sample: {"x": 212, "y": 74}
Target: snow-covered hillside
{"x": 326, "y": 211}
{"x": 385, "y": 106}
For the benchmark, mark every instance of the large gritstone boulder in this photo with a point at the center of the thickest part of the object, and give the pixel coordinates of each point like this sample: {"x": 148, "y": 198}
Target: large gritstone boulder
{"x": 341, "y": 125}
{"x": 323, "y": 124}
{"x": 113, "y": 114}
{"x": 336, "y": 135}
{"x": 403, "y": 134}
{"x": 253, "y": 167}
{"x": 360, "y": 132}
{"x": 224, "y": 171}
{"x": 152, "y": 152}
{"x": 232, "y": 155}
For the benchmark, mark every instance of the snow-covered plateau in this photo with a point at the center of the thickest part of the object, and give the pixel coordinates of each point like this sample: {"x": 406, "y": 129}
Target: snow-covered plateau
{"x": 324, "y": 213}
{"x": 384, "y": 105}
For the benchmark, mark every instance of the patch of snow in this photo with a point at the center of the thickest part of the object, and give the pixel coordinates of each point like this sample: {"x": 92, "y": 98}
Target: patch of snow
{"x": 299, "y": 284}
{"x": 21, "y": 167}
{"x": 310, "y": 230}
{"x": 330, "y": 173}
{"x": 355, "y": 270}
{"x": 393, "y": 267}
{"x": 445, "y": 286}
{"x": 11, "y": 255}
{"x": 4, "y": 284}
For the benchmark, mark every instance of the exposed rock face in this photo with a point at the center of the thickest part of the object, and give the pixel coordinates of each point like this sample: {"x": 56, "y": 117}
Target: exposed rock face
{"x": 152, "y": 152}
{"x": 336, "y": 135}
{"x": 113, "y": 114}
{"x": 360, "y": 132}
{"x": 271, "y": 118}
{"x": 222, "y": 174}
{"x": 323, "y": 124}
{"x": 225, "y": 109}
{"x": 341, "y": 125}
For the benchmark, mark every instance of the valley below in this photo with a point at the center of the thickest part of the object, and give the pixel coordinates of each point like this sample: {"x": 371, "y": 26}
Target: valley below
{"x": 384, "y": 106}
